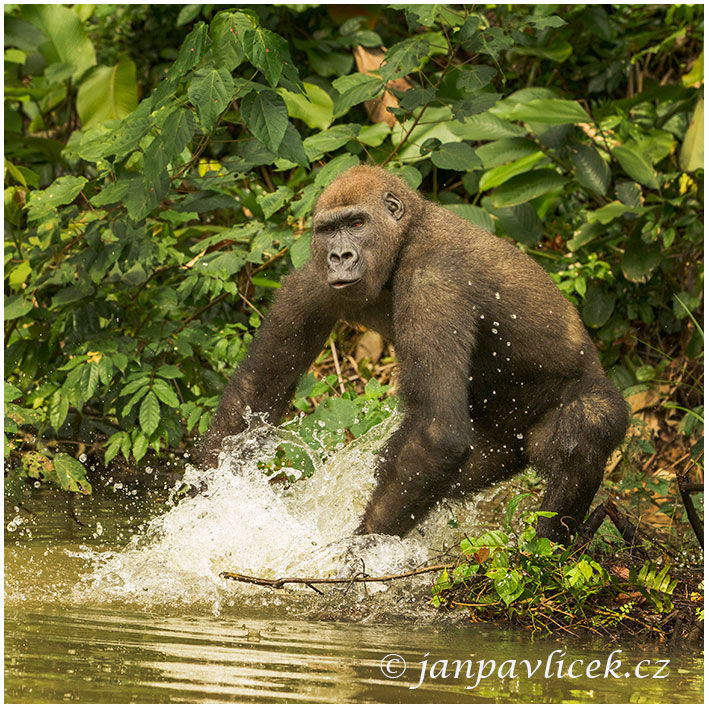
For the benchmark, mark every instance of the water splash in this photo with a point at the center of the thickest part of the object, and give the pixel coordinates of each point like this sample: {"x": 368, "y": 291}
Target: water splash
{"x": 244, "y": 522}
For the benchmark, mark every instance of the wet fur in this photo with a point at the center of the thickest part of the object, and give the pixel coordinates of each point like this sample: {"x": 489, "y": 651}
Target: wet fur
{"x": 497, "y": 370}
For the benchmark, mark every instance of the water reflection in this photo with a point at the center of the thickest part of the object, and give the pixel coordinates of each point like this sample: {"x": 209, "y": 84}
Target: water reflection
{"x": 93, "y": 655}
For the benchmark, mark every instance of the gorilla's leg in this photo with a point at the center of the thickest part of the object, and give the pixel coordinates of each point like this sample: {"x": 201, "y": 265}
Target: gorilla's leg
{"x": 570, "y": 445}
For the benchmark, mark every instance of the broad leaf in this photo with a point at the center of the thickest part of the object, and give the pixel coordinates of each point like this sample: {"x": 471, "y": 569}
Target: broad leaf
{"x": 636, "y": 166}
{"x": 110, "y": 93}
{"x": 551, "y": 111}
{"x": 266, "y": 116}
{"x": 591, "y": 169}
{"x": 149, "y": 415}
{"x": 528, "y": 186}
{"x": 474, "y": 215}
{"x": 354, "y": 89}
{"x": 67, "y": 42}
{"x": 70, "y": 474}
{"x": 210, "y": 91}
{"x": 455, "y": 156}
{"x": 640, "y": 260}
{"x": 598, "y": 305}
{"x": 62, "y": 191}
{"x": 314, "y": 108}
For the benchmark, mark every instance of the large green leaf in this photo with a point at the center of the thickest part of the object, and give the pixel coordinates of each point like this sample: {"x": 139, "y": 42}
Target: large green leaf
{"x": 225, "y": 29}
{"x": 67, "y": 42}
{"x": 353, "y": 89}
{"x": 271, "y": 202}
{"x": 266, "y": 116}
{"x": 191, "y": 50}
{"x": 485, "y": 126}
{"x": 591, "y": 169}
{"x": 109, "y": 93}
{"x": 521, "y": 222}
{"x": 551, "y": 111}
{"x": 636, "y": 166}
{"x": 404, "y": 57}
{"x": 16, "y": 306}
{"x": 149, "y": 415}
{"x": 598, "y": 305}
{"x": 62, "y": 191}
{"x": 326, "y": 141}
{"x": 434, "y": 123}
{"x": 498, "y": 152}
{"x": 455, "y": 156}
{"x": 70, "y": 474}
{"x": 611, "y": 211}
{"x": 525, "y": 187}
{"x": 691, "y": 155}
{"x": 210, "y": 91}
{"x": 499, "y": 175}
{"x": 474, "y": 215}
{"x": 314, "y": 108}
{"x": 176, "y": 134}
{"x": 640, "y": 260}
{"x": 266, "y": 51}
{"x": 291, "y": 147}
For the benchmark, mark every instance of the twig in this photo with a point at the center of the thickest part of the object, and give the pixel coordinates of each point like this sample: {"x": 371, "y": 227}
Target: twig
{"x": 685, "y": 491}
{"x": 336, "y": 360}
{"x": 359, "y": 578}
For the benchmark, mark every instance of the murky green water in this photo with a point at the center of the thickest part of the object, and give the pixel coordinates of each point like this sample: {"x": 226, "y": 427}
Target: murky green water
{"x": 260, "y": 645}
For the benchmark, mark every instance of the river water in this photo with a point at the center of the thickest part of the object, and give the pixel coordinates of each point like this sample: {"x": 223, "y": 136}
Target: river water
{"x": 131, "y": 607}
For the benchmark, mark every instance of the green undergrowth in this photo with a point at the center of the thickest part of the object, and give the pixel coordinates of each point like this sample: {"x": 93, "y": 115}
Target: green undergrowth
{"x": 515, "y": 575}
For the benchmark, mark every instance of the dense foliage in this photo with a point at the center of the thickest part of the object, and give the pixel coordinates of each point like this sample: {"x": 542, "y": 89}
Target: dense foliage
{"x": 161, "y": 163}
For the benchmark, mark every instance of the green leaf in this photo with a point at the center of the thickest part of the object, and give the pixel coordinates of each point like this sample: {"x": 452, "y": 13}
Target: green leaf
{"x": 636, "y": 166}
{"x": 291, "y": 147}
{"x": 354, "y": 89}
{"x": 485, "y": 126}
{"x": 267, "y": 52}
{"x": 191, "y": 50}
{"x": 598, "y": 305}
{"x": 591, "y": 169}
{"x": 587, "y": 233}
{"x": 314, "y": 108}
{"x": 140, "y": 446}
{"x": 109, "y": 93}
{"x": 403, "y": 58}
{"x": 271, "y": 202}
{"x": 170, "y": 371}
{"x": 320, "y": 143}
{"x": 165, "y": 393}
{"x": 611, "y": 211}
{"x": 525, "y": 187}
{"x": 550, "y": 111}
{"x": 226, "y": 28}
{"x": 522, "y": 223}
{"x": 175, "y": 136}
{"x": 474, "y": 78}
{"x": 455, "y": 156}
{"x": 691, "y": 155}
{"x": 300, "y": 250}
{"x": 334, "y": 168}
{"x": 62, "y": 191}
{"x": 71, "y": 474}
{"x": 16, "y": 306}
{"x": 67, "y": 42}
{"x": 210, "y": 92}
{"x": 499, "y": 175}
{"x": 640, "y": 260}
{"x": 187, "y": 14}
{"x": 149, "y": 415}
{"x": 266, "y": 116}
{"x": 505, "y": 150}
{"x": 58, "y": 409}
{"x": 474, "y": 215}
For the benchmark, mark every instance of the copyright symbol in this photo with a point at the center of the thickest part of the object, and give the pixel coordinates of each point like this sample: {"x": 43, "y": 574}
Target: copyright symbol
{"x": 393, "y": 666}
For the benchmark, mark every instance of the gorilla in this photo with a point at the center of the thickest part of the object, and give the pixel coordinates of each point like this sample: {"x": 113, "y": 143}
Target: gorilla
{"x": 497, "y": 372}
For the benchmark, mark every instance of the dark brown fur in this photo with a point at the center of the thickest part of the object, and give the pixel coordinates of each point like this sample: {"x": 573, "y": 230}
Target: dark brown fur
{"x": 497, "y": 370}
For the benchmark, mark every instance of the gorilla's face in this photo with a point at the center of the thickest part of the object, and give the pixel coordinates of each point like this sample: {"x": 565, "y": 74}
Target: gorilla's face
{"x": 354, "y": 241}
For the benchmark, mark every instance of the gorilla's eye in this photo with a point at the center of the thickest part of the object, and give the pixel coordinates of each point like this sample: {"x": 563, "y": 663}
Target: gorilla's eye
{"x": 357, "y": 223}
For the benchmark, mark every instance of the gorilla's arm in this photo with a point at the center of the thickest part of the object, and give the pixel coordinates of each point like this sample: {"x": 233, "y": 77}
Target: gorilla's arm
{"x": 434, "y": 338}
{"x": 287, "y": 342}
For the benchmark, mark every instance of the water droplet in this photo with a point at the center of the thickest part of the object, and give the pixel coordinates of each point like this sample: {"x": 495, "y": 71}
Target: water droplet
{"x": 497, "y": 296}
{"x": 82, "y": 458}
{"x": 513, "y": 316}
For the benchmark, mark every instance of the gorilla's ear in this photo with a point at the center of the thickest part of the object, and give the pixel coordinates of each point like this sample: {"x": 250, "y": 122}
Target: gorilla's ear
{"x": 393, "y": 205}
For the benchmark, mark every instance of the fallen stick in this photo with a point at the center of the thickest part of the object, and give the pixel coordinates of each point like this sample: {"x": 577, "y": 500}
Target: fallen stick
{"x": 360, "y": 578}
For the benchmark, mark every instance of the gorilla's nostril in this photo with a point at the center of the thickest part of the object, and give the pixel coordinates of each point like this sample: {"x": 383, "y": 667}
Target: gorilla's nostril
{"x": 347, "y": 256}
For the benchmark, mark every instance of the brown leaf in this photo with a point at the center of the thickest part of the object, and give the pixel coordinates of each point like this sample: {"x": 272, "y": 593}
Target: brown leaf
{"x": 370, "y": 345}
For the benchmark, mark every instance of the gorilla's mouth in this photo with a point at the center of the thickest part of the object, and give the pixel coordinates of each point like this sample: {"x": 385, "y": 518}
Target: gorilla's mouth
{"x": 344, "y": 284}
